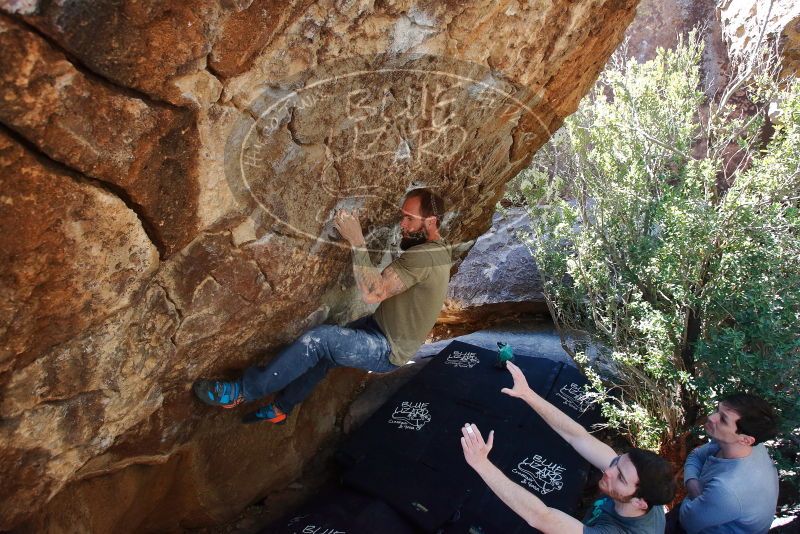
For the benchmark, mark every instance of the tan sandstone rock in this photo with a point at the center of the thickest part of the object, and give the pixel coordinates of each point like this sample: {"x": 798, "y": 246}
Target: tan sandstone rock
{"x": 233, "y": 130}
{"x": 146, "y": 149}
{"x": 74, "y": 267}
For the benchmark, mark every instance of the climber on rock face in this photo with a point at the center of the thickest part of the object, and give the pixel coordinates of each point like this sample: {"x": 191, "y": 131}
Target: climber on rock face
{"x": 410, "y": 292}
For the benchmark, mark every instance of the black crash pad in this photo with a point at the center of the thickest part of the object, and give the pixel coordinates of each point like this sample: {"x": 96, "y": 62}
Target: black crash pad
{"x": 405, "y": 466}
{"x": 409, "y": 452}
{"x": 569, "y": 395}
{"x": 461, "y": 384}
{"x": 420, "y": 502}
{"x": 339, "y": 510}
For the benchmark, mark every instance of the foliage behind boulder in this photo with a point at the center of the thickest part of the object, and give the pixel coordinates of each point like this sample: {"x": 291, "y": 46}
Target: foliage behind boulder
{"x": 678, "y": 253}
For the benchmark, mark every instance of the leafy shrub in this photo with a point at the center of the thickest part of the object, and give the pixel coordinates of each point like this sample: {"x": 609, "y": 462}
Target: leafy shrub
{"x": 668, "y": 236}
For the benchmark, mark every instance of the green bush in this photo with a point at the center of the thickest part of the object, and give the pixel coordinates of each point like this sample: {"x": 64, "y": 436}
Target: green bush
{"x": 668, "y": 236}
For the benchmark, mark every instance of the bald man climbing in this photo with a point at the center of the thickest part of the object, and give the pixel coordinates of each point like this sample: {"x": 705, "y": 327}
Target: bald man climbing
{"x": 410, "y": 293}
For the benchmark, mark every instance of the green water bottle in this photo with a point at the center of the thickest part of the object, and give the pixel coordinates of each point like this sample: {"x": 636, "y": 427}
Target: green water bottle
{"x": 504, "y": 354}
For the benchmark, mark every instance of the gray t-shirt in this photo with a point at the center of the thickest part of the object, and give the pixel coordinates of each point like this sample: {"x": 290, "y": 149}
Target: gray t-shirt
{"x": 739, "y": 494}
{"x": 603, "y": 519}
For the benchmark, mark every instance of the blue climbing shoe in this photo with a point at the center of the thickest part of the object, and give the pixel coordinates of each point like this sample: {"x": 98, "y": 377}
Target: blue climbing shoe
{"x": 219, "y": 393}
{"x": 270, "y": 413}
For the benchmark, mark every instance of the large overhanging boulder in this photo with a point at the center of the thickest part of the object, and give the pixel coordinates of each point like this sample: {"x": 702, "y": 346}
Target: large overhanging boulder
{"x": 169, "y": 171}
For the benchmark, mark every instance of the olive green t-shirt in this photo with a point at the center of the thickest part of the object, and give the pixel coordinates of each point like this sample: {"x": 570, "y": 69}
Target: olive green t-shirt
{"x": 407, "y": 318}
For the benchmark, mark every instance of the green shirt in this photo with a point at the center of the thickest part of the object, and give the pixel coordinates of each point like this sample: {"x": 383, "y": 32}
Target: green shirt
{"x": 407, "y": 318}
{"x": 603, "y": 519}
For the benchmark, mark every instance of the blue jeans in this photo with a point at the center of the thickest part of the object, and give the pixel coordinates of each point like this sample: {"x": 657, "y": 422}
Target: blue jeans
{"x": 299, "y": 367}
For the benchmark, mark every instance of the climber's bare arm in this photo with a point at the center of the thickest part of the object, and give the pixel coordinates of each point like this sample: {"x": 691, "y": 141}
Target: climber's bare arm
{"x": 374, "y": 286}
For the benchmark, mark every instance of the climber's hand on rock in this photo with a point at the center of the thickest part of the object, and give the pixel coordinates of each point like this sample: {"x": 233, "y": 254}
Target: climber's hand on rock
{"x": 349, "y": 228}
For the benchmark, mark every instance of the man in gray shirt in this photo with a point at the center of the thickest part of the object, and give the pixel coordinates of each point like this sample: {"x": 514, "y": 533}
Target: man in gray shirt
{"x": 731, "y": 482}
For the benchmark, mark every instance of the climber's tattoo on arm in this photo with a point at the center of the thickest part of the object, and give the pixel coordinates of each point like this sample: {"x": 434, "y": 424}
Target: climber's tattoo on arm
{"x": 376, "y": 287}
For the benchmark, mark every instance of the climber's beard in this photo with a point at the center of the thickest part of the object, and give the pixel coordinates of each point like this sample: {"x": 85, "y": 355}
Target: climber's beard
{"x": 412, "y": 239}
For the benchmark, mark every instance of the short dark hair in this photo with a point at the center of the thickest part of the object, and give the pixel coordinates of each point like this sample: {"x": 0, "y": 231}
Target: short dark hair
{"x": 756, "y": 416}
{"x": 430, "y": 204}
{"x": 656, "y": 477}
